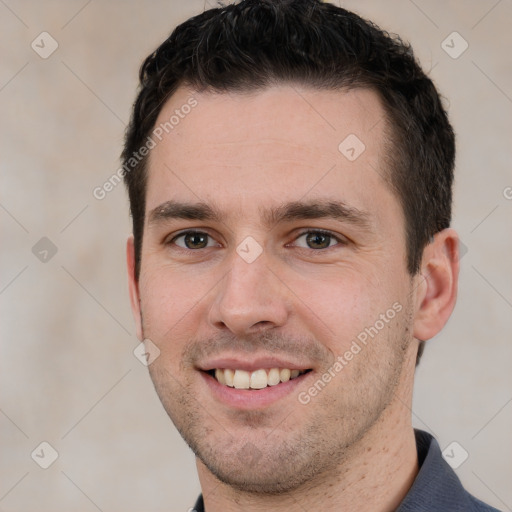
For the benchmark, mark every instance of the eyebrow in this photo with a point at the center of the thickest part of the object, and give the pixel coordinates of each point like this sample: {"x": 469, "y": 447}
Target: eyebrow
{"x": 288, "y": 212}
{"x": 317, "y": 209}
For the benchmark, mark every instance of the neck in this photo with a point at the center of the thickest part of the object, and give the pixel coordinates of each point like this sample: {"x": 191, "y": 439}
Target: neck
{"x": 375, "y": 475}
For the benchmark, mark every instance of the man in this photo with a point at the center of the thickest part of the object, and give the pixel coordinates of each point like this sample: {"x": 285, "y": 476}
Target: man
{"x": 289, "y": 167}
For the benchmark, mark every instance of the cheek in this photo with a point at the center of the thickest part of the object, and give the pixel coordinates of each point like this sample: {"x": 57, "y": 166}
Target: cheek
{"x": 339, "y": 305}
{"x": 170, "y": 303}
{"x": 353, "y": 313}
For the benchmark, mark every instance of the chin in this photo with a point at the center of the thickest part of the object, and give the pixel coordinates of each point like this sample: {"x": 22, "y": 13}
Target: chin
{"x": 255, "y": 472}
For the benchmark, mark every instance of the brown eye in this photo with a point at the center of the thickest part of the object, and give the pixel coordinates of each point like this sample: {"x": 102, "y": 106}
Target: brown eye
{"x": 193, "y": 240}
{"x": 316, "y": 240}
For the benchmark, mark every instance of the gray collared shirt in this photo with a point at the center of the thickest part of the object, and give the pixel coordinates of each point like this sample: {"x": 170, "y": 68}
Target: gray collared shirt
{"x": 436, "y": 487}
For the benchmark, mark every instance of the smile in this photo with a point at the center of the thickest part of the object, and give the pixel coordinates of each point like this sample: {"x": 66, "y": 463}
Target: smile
{"x": 257, "y": 379}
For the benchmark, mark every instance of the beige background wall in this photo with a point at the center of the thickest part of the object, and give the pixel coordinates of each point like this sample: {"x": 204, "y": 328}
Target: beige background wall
{"x": 68, "y": 374}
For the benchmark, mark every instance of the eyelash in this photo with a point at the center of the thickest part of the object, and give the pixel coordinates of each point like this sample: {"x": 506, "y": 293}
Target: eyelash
{"x": 339, "y": 240}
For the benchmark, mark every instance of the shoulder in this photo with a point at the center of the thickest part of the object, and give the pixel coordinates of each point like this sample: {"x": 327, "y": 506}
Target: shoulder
{"x": 437, "y": 487}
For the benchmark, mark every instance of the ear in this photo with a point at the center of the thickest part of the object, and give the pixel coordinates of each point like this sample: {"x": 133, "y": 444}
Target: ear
{"x": 133, "y": 286}
{"x": 436, "y": 292}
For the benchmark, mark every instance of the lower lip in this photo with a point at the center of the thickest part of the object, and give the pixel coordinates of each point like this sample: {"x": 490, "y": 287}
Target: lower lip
{"x": 247, "y": 399}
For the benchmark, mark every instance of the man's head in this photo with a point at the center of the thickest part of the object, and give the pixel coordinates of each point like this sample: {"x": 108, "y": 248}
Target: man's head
{"x": 291, "y": 214}
{"x": 257, "y": 43}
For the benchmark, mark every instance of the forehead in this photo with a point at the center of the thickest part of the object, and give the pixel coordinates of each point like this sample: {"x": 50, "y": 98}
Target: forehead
{"x": 282, "y": 143}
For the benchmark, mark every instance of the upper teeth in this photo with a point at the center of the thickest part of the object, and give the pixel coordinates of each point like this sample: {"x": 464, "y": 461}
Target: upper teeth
{"x": 258, "y": 379}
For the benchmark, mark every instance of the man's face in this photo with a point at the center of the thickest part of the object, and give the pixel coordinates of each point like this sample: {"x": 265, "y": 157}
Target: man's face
{"x": 296, "y": 257}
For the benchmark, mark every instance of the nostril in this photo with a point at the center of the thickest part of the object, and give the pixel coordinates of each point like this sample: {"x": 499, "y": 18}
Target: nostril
{"x": 263, "y": 324}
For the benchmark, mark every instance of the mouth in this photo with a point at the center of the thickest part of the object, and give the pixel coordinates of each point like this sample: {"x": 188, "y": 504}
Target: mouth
{"x": 254, "y": 384}
{"x": 254, "y": 380}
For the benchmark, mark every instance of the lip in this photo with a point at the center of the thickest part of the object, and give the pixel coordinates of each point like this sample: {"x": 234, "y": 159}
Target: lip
{"x": 265, "y": 363}
{"x": 245, "y": 399}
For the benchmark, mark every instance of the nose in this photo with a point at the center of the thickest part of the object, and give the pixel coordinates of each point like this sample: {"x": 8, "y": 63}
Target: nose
{"x": 250, "y": 298}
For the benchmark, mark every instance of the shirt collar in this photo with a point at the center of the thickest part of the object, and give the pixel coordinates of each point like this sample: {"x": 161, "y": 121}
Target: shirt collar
{"x": 436, "y": 486}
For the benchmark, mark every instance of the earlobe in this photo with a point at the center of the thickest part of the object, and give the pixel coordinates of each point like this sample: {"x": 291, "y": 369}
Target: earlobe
{"x": 437, "y": 293}
{"x": 133, "y": 285}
